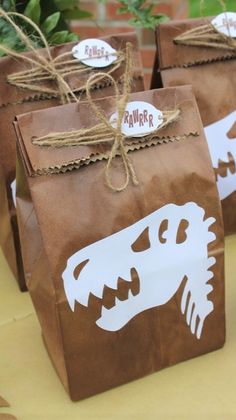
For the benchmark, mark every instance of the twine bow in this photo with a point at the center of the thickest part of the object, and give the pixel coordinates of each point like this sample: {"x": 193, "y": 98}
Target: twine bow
{"x": 119, "y": 138}
{"x": 104, "y": 132}
{"x": 45, "y": 69}
{"x": 206, "y": 36}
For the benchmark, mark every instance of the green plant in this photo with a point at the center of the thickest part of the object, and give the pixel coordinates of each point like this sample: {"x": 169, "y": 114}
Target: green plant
{"x": 49, "y": 15}
{"x": 52, "y": 16}
{"x": 142, "y": 12}
{"x": 70, "y": 9}
{"x": 211, "y": 8}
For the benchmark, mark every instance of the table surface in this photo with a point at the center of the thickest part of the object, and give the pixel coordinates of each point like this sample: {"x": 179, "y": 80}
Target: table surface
{"x": 203, "y": 388}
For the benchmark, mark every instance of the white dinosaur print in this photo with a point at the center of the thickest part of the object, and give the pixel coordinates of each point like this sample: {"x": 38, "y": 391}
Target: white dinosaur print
{"x": 222, "y": 148}
{"x": 13, "y": 191}
{"x": 161, "y": 268}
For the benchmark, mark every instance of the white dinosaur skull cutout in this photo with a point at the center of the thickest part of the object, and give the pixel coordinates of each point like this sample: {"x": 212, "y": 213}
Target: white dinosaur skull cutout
{"x": 223, "y": 148}
{"x": 13, "y": 191}
{"x": 161, "y": 268}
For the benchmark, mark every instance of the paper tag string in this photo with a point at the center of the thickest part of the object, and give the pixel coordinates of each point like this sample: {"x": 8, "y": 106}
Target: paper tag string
{"x": 206, "y": 36}
{"x": 45, "y": 68}
{"x": 105, "y": 132}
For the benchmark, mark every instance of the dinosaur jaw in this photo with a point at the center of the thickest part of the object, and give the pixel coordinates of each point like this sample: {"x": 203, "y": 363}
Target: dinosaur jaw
{"x": 222, "y": 146}
{"x": 226, "y": 176}
{"x": 115, "y": 318}
{"x": 225, "y": 164}
{"x": 122, "y": 298}
{"x": 226, "y": 185}
{"x": 123, "y": 311}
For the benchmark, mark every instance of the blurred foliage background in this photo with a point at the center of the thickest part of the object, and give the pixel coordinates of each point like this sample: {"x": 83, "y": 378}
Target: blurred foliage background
{"x": 50, "y": 15}
{"x": 53, "y": 17}
{"x": 211, "y": 7}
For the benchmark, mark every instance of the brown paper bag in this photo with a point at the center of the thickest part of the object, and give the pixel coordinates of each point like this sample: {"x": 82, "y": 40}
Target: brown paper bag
{"x": 15, "y": 100}
{"x": 124, "y": 283}
{"x": 212, "y": 73}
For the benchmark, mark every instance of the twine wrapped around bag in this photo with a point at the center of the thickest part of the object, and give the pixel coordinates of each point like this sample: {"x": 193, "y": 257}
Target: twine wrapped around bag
{"x": 104, "y": 132}
{"x": 46, "y": 68}
{"x": 207, "y": 36}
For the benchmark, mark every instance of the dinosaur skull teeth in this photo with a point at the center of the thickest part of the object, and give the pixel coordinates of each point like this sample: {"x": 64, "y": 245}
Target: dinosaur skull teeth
{"x": 226, "y": 166}
{"x": 221, "y": 138}
{"x": 116, "y": 313}
{"x": 118, "y": 302}
{"x": 111, "y": 297}
{"x": 227, "y": 159}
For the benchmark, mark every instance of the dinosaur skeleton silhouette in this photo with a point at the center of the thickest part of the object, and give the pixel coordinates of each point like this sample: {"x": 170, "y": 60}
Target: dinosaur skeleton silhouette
{"x": 222, "y": 146}
{"x": 161, "y": 268}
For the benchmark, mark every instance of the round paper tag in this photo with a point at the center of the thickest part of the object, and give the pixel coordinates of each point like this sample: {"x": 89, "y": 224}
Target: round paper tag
{"x": 140, "y": 119}
{"x": 94, "y": 53}
{"x": 226, "y": 23}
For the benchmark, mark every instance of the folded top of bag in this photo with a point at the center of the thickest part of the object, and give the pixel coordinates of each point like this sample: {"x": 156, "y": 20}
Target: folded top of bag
{"x": 176, "y": 55}
{"x": 11, "y": 93}
{"x": 68, "y": 118}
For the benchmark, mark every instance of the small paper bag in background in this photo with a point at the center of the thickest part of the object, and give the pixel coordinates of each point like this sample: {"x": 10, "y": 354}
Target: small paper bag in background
{"x": 16, "y": 100}
{"x": 124, "y": 283}
{"x": 211, "y": 71}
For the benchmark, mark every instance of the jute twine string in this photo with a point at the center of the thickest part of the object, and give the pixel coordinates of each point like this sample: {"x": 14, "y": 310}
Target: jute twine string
{"x": 104, "y": 132}
{"x": 46, "y": 68}
{"x": 206, "y": 36}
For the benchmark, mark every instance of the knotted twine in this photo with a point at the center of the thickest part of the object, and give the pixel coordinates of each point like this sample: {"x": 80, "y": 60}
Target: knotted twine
{"x": 104, "y": 132}
{"x": 48, "y": 68}
{"x": 207, "y": 36}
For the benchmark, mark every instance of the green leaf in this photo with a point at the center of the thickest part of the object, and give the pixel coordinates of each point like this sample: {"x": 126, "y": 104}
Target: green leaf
{"x": 76, "y": 14}
{"x": 33, "y": 11}
{"x": 50, "y": 23}
{"x": 135, "y": 22}
{"x": 9, "y": 5}
{"x": 142, "y": 13}
{"x": 121, "y": 10}
{"x": 58, "y": 37}
{"x": 72, "y": 37}
{"x": 66, "y": 4}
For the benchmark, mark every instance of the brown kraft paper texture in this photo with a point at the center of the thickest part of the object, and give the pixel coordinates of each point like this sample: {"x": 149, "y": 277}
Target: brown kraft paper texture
{"x": 212, "y": 73}
{"x": 15, "y": 101}
{"x": 124, "y": 283}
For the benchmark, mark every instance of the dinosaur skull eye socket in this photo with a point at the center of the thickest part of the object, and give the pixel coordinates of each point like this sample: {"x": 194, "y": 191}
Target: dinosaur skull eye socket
{"x": 181, "y": 233}
{"x": 162, "y": 229}
{"x": 142, "y": 242}
{"x": 79, "y": 268}
{"x": 232, "y": 132}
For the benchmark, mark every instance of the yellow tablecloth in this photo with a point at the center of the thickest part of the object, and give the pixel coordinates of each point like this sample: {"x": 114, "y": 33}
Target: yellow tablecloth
{"x": 200, "y": 389}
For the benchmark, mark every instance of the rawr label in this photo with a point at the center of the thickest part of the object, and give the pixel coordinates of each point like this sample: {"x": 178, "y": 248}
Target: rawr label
{"x": 140, "y": 119}
{"x": 226, "y": 24}
{"x": 94, "y": 53}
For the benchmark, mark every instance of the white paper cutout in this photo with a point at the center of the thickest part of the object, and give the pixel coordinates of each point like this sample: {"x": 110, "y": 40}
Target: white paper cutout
{"x": 161, "y": 268}
{"x": 140, "y": 119}
{"x": 13, "y": 191}
{"x": 94, "y": 53}
{"x": 220, "y": 145}
{"x": 226, "y": 23}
